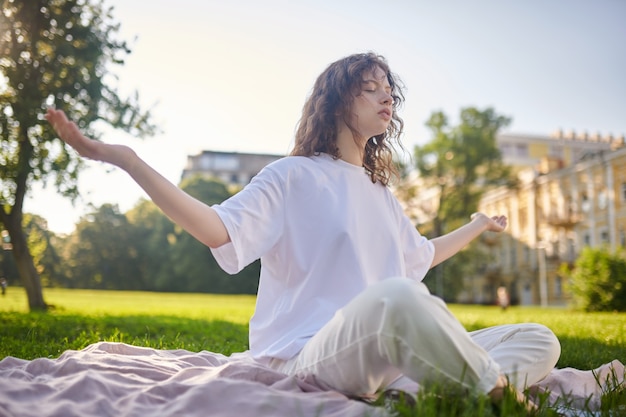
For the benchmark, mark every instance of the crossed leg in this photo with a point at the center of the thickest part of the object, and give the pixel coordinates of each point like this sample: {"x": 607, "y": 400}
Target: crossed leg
{"x": 397, "y": 330}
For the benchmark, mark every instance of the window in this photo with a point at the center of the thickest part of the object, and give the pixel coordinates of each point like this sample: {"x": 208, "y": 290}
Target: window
{"x": 526, "y": 255}
{"x": 554, "y": 248}
{"x": 205, "y": 162}
{"x": 513, "y": 255}
{"x": 226, "y": 162}
{"x": 585, "y": 204}
{"x": 602, "y": 200}
{"x": 556, "y": 151}
{"x": 506, "y": 149}
{"x": 604, "y": 236}
{"x": 571, "y": 250}
{"x": 558, "y": 287}
{"x": 523, "y": 220}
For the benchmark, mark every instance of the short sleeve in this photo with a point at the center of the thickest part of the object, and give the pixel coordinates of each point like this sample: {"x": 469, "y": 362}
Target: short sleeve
{"x": 419, "y": 252}
{"x": 254, "y": 220}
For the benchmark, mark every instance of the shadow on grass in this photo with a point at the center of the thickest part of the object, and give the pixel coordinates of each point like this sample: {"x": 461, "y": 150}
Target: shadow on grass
{"x": 33, "y": 335}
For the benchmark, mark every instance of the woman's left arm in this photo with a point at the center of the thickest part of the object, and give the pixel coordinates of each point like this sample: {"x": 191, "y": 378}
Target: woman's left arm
{"x": 449, "y": 244}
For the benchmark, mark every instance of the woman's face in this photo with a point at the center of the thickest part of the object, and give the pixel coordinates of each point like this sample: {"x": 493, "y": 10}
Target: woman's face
{"x": 372, "y": 108}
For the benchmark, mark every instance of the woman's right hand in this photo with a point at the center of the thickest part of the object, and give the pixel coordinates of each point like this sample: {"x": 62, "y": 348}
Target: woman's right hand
{"x": 197, "y": 218}
{"x": 67, "y": 130}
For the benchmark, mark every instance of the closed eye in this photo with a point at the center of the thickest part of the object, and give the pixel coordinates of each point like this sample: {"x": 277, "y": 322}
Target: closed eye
{"x": 371, "y": 86}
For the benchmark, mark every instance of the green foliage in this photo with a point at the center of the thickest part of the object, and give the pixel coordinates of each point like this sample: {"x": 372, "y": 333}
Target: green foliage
{"x": 193, "y": 267}
{"x": 460, "y": 163}
{"x": 153, "y": 235}
{"x": 8, "y": 269}
{"x": 42, "y": 247}
{"x": 598, "y": 280}
{"x": 53, "y": 53}
{"x": 100, "y": 254}
{"x": 56, "y": 53}
{"x": 144, "y": 250}
{"x": 443, "y": 279}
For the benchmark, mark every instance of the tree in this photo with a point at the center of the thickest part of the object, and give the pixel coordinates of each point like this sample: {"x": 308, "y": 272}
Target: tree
{"x": 153, "y": 234}
{"x": 194, "y": 267}
{"x": 40, "y": 242}
{"x": 598, "y": 280}
{"x": 53, "y": 52}
{"x": 100, "y": 255}
{"x": 170, "y": 259}
{"x": 460, "y": 163}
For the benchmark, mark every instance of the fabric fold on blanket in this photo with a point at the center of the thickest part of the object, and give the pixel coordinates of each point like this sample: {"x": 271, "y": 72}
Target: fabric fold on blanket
{"x": 117, "y": 379}
{"x": 576, "y": 389}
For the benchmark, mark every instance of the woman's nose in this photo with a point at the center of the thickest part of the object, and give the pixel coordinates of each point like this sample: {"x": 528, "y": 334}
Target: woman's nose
{"x": 387, "y": 98}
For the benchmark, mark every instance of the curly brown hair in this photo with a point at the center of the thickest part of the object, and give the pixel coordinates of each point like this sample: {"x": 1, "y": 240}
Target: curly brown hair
{"x": 333, "y": 93}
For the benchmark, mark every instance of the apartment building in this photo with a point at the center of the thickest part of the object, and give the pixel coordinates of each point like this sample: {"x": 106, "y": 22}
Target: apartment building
{"x": 559, "y": 208}
{"x": 233, "y": 168}
{"x": 559, "y": 149}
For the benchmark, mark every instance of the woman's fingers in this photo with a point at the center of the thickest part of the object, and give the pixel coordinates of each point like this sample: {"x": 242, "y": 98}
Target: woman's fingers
{"x": 69, "y": 133}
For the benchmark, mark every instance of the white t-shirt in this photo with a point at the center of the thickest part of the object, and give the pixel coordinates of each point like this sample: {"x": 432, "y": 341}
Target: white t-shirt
{"x": 323, "y": 232}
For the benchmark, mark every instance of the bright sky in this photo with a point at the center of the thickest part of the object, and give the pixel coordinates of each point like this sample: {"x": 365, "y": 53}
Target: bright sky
{"x": 233, "y": 75}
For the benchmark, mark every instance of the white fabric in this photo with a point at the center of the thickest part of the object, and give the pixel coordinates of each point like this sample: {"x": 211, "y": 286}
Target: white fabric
{"x": 526, "y": 352}
{"x": 394, "y": 327}
{"x": 397, "y": 327}
{"x": 324, "y": 232}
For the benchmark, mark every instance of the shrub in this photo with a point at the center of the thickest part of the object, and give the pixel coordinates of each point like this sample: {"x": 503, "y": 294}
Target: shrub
{"x": 598, "y": 280}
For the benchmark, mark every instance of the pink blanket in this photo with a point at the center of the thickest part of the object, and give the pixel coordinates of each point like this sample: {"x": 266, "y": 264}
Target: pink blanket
{"x": 116, "y": 379}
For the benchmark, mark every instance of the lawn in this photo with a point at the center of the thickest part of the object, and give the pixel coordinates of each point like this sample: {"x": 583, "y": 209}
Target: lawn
{"x": 218, "y": 323}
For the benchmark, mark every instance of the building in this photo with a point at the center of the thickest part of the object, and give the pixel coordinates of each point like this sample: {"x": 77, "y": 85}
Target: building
{"x": 233, "y": 168}
{"x": 559, "y": 149}
{"x": 558, "y": 209}
{"x": 569, "y": 196}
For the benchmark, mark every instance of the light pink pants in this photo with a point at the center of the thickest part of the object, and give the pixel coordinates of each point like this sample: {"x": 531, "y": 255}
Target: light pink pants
{"x": 397, "y": 334}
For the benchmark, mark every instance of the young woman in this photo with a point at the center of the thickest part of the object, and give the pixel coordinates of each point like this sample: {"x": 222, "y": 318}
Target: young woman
{"x": 340, "y": 295}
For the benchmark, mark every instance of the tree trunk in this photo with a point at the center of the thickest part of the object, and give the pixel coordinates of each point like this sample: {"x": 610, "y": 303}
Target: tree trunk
{"x": 25, "y": 265}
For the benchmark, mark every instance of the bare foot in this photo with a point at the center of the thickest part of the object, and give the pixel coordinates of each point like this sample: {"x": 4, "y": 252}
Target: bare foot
{"x": 502, "y": 386}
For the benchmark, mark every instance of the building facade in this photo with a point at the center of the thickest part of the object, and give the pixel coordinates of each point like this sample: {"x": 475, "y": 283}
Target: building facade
{"x": 558, "y": 209}
{"x": 571, "y": 195}
{"x": 233, "y": 168}
{"x": 557, "y": 150}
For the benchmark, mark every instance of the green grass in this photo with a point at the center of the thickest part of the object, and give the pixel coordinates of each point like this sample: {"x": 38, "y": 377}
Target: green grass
{"x": 218, "y": 323}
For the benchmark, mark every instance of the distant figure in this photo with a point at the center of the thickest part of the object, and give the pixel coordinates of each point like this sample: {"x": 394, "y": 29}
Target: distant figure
{"x": 3, "y": 283}
{"x": 503, "y": 297}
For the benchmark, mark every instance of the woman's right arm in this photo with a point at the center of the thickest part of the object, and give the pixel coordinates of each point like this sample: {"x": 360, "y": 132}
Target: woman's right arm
{"x": 197, "y": 218}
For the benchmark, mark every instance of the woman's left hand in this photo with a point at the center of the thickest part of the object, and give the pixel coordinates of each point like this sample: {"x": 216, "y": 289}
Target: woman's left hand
{"x": 492, "y": 224}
